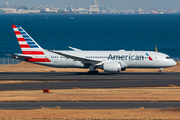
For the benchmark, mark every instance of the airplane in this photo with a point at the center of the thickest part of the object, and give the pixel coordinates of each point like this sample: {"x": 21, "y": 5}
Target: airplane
{"x": 109, "y": 61}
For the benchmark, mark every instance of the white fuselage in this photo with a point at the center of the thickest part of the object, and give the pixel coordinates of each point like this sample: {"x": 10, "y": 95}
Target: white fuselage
{"x": 128, "y": 59}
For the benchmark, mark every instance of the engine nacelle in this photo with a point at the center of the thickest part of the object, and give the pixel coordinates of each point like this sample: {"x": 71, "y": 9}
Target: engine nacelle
{"x": 112, "y": 67}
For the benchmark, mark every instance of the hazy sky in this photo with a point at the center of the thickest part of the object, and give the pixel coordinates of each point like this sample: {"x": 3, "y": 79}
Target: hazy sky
{"x": 117, "y": 4}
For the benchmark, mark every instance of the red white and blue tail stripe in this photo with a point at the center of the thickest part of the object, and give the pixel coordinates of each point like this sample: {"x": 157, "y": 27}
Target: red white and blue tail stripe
{"x": 28, "y": 46}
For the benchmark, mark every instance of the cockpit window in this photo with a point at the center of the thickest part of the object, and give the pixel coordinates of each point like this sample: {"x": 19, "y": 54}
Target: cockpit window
{"x": 168, "y": 57}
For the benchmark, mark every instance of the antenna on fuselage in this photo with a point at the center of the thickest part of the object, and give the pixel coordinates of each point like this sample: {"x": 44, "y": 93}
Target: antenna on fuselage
{"x": 156, "y": 48}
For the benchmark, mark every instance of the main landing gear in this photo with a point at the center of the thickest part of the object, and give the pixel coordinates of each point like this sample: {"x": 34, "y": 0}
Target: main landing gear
{"x": 94, "y": 72}
{"x": 160, "y": 71}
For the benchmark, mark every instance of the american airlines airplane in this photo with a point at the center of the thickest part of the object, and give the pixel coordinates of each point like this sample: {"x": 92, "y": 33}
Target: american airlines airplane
{"x": 109, "y": 61}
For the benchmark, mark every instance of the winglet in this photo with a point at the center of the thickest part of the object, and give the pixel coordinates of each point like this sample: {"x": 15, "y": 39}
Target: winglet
{"x": 75, "y": 49}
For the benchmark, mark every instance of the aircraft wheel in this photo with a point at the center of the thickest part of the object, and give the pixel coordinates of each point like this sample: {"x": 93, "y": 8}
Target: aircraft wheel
{"x": 89, "y": 72}
{"x": 96, "y": 72}
{"x": 159, "y": 72}
{"x": 93, "y": 72}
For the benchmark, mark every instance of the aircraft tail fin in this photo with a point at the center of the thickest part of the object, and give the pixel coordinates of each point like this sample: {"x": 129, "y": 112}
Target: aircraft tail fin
{"x": 27, "y": 44}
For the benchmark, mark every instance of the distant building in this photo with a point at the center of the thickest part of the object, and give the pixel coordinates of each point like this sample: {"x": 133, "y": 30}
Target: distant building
{"x": 62, "y": 10}
{"x": 72, "y": 9}
{"x": 23, "y": 7}
{"x": 101, "y": 7}
{"x": 9, "y": 10}
{"x": 21, "y": 11}
{"x": 141, "y": 11}
{"x": 105, "y": 7}
{"x": 2, "y": 11}
{"x": 82, "y": 10}
{"x": 6, "y": 4}
{"x": 95, "y": 2}
{"x": 94, "y": 8}
{"x": 155, "y": 12}
{"x": 47, "y": 10}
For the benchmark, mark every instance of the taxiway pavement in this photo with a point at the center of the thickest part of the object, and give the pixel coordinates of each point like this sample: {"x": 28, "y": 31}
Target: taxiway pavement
{"x": 88, "y": 105}
{"x": 82, "y": 80}
{"x": 68, "y": 76}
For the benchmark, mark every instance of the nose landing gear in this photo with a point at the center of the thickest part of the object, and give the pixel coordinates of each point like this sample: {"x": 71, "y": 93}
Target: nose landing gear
{"x": 160, "y": 71}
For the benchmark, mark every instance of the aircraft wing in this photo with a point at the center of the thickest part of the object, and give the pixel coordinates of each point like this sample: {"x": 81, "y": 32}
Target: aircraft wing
{"x": 83, "y": 60}
{"x": 75, "y": 49}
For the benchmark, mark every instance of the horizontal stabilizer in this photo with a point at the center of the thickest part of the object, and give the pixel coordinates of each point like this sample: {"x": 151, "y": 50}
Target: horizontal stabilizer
{"x": 19, "y": 56}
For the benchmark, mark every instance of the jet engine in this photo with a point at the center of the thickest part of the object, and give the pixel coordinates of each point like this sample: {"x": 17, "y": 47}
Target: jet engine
{"x": 112, "y": 67}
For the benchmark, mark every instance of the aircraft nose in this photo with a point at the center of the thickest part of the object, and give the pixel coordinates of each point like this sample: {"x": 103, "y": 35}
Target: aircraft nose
{"x": 173, "y": 63}
{"x": 170, "y": 63}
